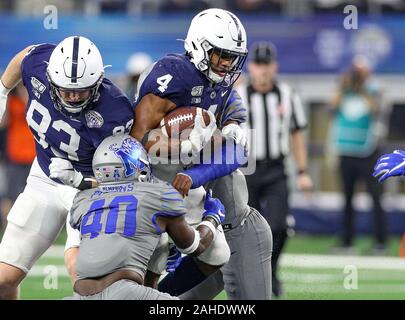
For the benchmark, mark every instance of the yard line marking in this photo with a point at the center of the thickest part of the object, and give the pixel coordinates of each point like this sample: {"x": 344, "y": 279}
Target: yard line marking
{"x": 329, "y": 289}
{"x": 364, "y": 276}
{"x": 335, "y": 261}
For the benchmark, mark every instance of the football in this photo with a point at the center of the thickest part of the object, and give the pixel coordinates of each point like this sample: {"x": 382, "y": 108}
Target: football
{"x": 181, "y": 120}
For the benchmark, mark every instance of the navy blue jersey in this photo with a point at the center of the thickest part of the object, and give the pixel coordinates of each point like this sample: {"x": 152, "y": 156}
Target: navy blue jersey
{"x": 59, "y": 136}
{"x": 175, "y": 77}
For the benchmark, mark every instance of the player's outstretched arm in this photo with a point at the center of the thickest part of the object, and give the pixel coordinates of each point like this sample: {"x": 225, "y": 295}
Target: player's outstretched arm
{"x": 216, "y": 168}
{"x": 10, "y": 78}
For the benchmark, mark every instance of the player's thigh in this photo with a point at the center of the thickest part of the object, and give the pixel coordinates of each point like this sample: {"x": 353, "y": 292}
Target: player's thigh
{"x": 247, "y": 275}
{"x": 34, "y": 221}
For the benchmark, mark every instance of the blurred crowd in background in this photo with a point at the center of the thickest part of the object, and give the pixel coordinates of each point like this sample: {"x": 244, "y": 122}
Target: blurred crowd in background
{"x": 283, "y": 7}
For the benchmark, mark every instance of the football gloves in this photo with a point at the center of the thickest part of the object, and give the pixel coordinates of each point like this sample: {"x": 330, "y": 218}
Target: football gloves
{"x": 174, "y": 258}
{"x": 63, "y": 170}
{"x": 390, "y": 165}
{"x": 213, "y": 208}
{"x": 200, "y": 135}
{"x": 236, "y": 132}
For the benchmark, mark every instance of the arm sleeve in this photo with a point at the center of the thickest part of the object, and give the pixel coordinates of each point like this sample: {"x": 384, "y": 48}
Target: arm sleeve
{"x": 235, "y": 109}
{"x": 222, "y": 163}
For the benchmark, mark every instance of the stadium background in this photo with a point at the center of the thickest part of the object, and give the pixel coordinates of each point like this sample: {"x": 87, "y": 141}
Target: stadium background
{"x": 313, "y": 48}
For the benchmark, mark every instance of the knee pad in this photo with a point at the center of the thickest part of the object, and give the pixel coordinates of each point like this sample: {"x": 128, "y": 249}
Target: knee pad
{"x": 218, "y": 253}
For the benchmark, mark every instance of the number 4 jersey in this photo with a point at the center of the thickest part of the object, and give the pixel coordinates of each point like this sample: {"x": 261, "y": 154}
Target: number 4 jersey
{"x": 118, "y": 225}
{"x": 175, "y": 78}
{"x": 59, "y": 136}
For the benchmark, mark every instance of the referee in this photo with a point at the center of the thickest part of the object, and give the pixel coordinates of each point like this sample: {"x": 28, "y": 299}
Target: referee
{"x": 277, "y": 116}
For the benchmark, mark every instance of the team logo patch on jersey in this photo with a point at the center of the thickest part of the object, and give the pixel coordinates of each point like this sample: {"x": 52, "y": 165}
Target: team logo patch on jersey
{"x": 94, "y": 119}
{"x": 195, "y": 100}
{"x": 197, "y": 91}
{"x": 37, "y": 85}
{"x": 213, "y": 95}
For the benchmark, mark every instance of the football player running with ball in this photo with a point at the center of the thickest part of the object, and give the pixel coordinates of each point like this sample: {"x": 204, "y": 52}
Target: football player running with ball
{"x": 216, "y": 49}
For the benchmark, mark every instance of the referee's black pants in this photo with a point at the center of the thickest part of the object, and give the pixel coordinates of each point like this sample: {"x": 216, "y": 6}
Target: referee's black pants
{"x": 352, "y": 170}
{"x": 268, "y": 193}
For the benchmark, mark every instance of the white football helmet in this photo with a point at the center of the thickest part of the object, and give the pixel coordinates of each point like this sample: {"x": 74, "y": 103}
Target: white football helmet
{"x": 75, "y": 67}
{"x": 121, "y": 158}
{"x": 221, "y": 32}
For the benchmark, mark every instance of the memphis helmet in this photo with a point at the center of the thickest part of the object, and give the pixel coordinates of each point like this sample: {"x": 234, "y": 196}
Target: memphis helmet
{"x": 75, "y": 67}
{"x": 121, "y": 158}
{"x": 221, "y": 32}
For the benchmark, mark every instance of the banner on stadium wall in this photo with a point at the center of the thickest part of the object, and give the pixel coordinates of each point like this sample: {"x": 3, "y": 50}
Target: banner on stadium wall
{"x": 318, "y": 44}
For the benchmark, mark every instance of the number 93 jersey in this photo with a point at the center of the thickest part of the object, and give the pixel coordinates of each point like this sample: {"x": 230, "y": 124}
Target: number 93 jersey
{"x": 57, "y": 135}
{"x": 175, "y": 78}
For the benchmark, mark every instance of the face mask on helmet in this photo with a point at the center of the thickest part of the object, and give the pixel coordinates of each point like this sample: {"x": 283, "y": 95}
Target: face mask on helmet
{"x": 216, "y": 44}
{"x": 120, "y": 159}
{"x": 225, "y": 66}
{"x": 71, "y": 102}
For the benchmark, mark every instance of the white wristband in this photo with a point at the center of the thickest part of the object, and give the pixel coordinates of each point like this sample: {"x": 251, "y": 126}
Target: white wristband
{"x": 211, "y": 226}
{"x": 194, "y": 245}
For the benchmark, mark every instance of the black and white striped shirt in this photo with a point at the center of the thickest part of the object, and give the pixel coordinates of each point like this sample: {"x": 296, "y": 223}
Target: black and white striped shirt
{"x": 273, "y": 116}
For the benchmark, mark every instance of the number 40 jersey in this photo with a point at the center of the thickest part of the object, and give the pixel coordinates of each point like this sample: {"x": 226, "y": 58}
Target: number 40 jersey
{"x": 57, "y": 135}
{"x": 118, "y": 225}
